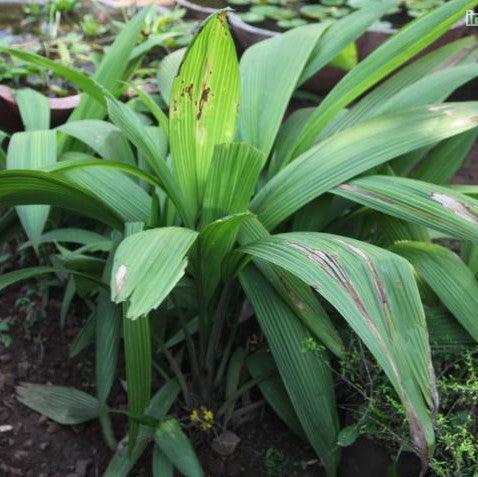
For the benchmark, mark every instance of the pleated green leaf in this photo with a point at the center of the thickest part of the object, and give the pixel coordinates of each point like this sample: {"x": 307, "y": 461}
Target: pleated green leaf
{"x": 147, "y": 266}
{"x": 122, "y": 462}
{"x": 112, "y": 187}
{"x": 355, "y": 150}
{"x": 386, "y": 58}
{"x": 231, "y": 181}
{"x": 375, "y": 291}
{"x": 445, "y": 331}
{"x": 306, "y": 375}
{"x": 203, "y": 106}
{"x": 436, "y": 207}
{"x": 34, "y": 109}
{"x": 34, "y": 187}
{"x": 213, "y": 243}
{"x": 448, "y": 277}
{"x": 32, "y": 150}
{"x": 176, "y": 446}
{"x": 297, "y": 295}
{"x": 270, "y": 71}
{"x": 103, "y": 137}
{"x": 61, "y": 404}
{"x": 137, "y": 346}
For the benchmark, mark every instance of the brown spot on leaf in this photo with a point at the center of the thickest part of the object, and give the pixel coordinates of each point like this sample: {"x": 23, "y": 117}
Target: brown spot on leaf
{"x": 203, "y": 100}
{"x": 189, "y": 90}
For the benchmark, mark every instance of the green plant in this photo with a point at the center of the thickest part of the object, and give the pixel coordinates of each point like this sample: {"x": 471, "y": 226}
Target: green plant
{"x": 216, "y": 201}
{"x": 380, "y": 415}
{"x": 5, "y": 337}
{"x": 274, "y": 462}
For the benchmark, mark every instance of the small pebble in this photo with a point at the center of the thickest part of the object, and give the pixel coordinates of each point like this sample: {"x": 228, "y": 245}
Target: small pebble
{"x": 5, "y": 358}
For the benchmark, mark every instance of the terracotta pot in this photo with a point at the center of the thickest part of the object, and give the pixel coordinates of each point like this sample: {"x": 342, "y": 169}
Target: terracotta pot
{"x": 10, "y": 119}
{"x": 246, "y": 35}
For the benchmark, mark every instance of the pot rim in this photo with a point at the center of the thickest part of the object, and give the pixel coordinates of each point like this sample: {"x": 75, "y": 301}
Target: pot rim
{"x": 236, "y": 21}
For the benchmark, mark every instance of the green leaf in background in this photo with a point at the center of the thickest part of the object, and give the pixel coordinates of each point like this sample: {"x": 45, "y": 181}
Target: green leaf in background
{"x": 129, "y": 200}
{"x": 306, "y": 375}
{"x": 373, "y": 103}
{"x": 167, "y": 71}
{"x": 355, "y": 150}
{"x": 447, "y": 158}
{"x": 203, "y": 106}
{"x": 261, "y": 364}
{"x": 144, "y": 257}
{"x": 277, "y": 61}
{"x": 176, "y": 446}
{"x": 386, "y": 58}
{"x": 32, "y": 150}
{"x": 70, "y": 235}
{"x": 448, "y": 277}
{"x": 439, "y": 208}
{"x": 102, "y": 137}
{"x": 34, "y": 109}
{"x": 112, "y": 68}
{"x": 340, "y": 35}
{"x": 61, "y": 404}
{"x": 213, "y": 243}
{"x": 375, "y": 291}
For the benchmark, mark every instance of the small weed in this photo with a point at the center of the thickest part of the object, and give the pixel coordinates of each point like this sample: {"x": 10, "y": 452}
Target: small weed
{"x": 274, "y": 462}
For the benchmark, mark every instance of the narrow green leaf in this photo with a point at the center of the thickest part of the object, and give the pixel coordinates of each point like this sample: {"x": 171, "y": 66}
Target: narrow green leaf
{"x": 260, "y": 364}
{"x": 129, "y": 200}
{"x": 102, "y": 137}
{"x": 447, "y": 158}
{"x": 161, "y": 465}
{"x": 213, "y": 244}
{"x": 449, "y": 278}
{"x": 61, "y": 404}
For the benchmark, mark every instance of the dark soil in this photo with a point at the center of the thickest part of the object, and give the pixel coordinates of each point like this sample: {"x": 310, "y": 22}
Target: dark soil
{"x": 34, "y": 446}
